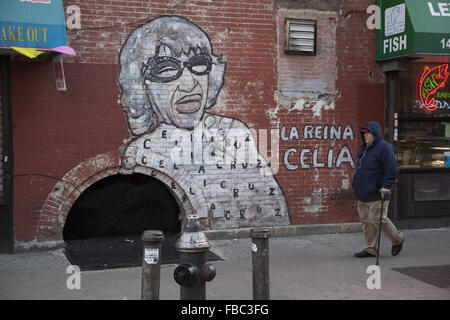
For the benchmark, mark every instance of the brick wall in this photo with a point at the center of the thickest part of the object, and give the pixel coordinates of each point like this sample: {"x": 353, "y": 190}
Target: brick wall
{"x": 56, "y": 131}
{"x": 342, "y": 87}
{"x": 243, "y": 32}
{"x": 360, "y": 80}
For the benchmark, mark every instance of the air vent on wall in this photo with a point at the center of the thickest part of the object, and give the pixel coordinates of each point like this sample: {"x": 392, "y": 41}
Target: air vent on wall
{"x": 300, "y": 36}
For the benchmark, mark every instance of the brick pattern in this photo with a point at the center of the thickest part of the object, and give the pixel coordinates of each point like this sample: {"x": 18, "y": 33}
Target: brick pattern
{"x": 344, "y": 64}
{"x": 239, "y": 30}
{"x": 57, "y": 131}
{"x": 306, "y": 73}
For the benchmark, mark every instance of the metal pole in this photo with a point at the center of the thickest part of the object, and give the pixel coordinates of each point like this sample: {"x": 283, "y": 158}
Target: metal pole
{"x": 379, "y": 229}
{"x": 151, "y": 264}
{"x": 392, "y": 107}
{"x": 260, "y": 259}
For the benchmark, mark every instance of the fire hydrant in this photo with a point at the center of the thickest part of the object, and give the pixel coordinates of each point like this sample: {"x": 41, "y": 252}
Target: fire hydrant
{"x": 193, "y": 271}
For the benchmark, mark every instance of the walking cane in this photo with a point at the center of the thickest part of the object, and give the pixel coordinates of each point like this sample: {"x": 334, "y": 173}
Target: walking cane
{"x": 379, "y": 229}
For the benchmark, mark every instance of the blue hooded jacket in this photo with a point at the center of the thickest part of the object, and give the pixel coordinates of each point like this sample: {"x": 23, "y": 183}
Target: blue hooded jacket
{"x": 376, "y": 166}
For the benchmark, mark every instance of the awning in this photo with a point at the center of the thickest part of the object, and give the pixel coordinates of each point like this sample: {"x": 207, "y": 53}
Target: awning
{"x": 413, "y": 27}
{"x": 32, "y": 27}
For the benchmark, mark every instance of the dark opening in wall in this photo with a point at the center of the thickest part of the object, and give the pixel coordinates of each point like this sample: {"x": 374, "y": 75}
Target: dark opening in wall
{"x": 122, "y": 205}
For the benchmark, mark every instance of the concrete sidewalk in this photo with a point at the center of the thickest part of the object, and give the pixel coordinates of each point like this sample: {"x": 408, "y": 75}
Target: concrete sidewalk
{"x": 301, "y": 267}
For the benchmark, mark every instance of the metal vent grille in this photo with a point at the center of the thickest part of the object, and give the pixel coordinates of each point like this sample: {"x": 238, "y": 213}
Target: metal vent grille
{"x": 300, "y": 36}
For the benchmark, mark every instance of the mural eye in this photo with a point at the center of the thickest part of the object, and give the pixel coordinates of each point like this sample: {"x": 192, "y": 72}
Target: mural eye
{"x": 199, "y": 64}
{"x": 163, "y": 69}
{"x": 167, "y": 72}
{"x": 200, "y": 68}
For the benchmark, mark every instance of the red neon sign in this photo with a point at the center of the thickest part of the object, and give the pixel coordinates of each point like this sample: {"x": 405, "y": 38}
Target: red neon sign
{"x": 429, "y": 82}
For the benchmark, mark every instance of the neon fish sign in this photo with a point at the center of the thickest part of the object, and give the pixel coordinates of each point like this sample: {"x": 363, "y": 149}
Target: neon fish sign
{"x": 429, "y": 82}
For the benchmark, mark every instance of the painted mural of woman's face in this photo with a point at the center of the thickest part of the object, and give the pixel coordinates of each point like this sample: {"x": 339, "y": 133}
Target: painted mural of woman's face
{"x": 178, "y": 86}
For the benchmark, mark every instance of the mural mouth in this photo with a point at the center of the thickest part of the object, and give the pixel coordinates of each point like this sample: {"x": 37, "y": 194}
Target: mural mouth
{"x": 188, "y": 104}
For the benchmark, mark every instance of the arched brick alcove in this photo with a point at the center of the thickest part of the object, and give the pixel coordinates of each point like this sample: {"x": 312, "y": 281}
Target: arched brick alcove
{"x": 64, "y": 194}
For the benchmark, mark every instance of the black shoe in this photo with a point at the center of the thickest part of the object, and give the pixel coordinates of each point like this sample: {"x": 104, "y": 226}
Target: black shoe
{"x": 363, "y": 254}
{"x": 398, "y": 247}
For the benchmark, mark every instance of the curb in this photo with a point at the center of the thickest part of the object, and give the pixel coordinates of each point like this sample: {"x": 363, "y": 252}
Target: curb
{"x": 287, "y": 231}
{"x": 225, "y": 234}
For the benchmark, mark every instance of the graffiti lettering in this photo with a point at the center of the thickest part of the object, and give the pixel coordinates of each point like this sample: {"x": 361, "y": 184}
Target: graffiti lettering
{"x": 319, "y": 132}
{"x": 317, "y": 158}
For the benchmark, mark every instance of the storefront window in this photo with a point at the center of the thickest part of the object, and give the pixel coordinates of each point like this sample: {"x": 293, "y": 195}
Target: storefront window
{"x": 423, "y": 138}
{"x": 424, "y": 144}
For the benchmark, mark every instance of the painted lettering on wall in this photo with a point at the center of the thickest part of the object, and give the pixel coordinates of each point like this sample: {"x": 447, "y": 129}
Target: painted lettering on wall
{"x": 307, "y": 158}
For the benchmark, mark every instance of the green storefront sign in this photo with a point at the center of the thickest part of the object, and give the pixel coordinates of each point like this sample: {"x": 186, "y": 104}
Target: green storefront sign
{"x": 410, "y": 27}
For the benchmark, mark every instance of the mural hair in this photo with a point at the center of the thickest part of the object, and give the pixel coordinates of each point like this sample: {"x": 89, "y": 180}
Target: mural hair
{"x": 181, "y": 36}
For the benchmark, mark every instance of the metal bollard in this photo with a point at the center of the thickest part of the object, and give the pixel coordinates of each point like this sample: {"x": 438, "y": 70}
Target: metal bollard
{"x": 260, "y": 260}
{"x": 193, "y": 272}
{"x": 151, "y": 264}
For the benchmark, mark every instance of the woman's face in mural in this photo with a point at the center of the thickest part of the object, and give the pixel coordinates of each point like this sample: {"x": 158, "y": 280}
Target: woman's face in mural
{"x": 178, "y": 86}
{"x": 168, "y": 74}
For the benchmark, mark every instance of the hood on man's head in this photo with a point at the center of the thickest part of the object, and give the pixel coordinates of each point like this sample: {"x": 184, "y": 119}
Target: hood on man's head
{"x": 374, "y": 128}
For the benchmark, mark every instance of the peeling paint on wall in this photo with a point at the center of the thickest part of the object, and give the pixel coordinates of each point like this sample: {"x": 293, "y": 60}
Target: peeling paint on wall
{"x": 313, "y": 204}
{"x": 345, "y": 182}
{"x": 308, "y": 102}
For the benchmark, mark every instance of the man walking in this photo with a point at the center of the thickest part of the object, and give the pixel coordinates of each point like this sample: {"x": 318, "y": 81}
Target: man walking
{"x": 375, "y": 173}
